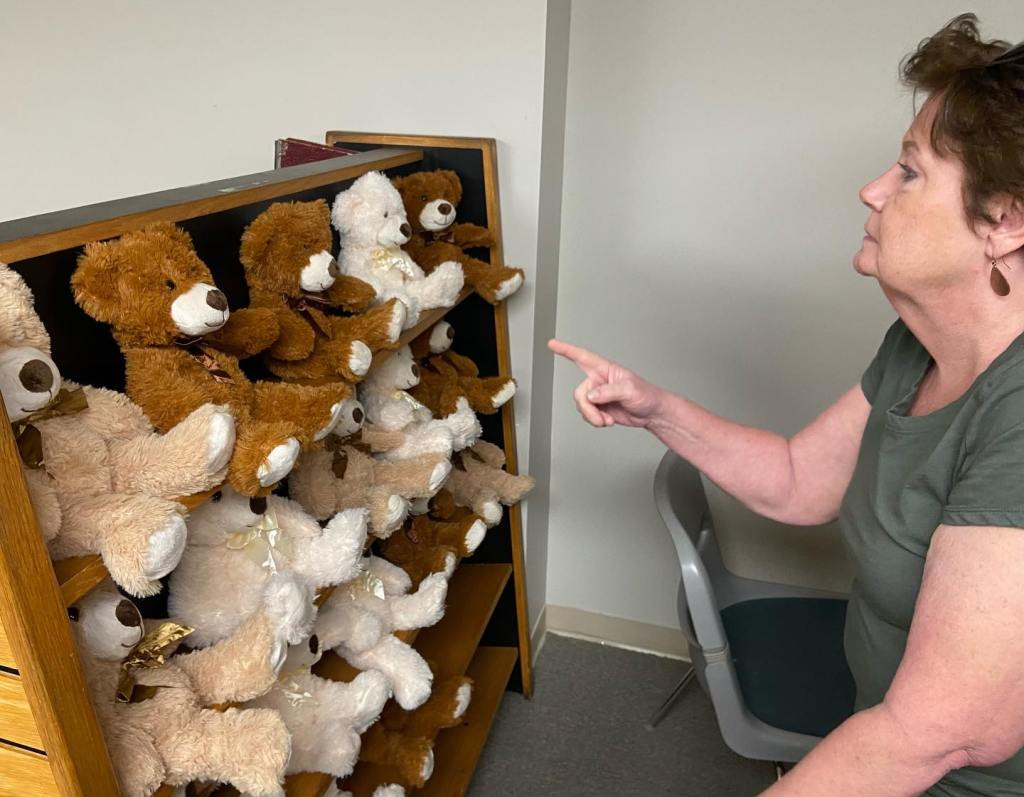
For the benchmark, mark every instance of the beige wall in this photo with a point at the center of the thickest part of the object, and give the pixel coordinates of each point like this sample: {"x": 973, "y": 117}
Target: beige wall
{"x": 714, "y": 151}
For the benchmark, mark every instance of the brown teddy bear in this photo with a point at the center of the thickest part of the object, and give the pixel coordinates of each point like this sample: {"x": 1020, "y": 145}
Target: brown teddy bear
{"x": 445, "y": 377}
{"x": 430, "y": 199}
{"x": 181, "y": 350}
{"x": 428, "y": 545}
{"x": 289, "y": 268}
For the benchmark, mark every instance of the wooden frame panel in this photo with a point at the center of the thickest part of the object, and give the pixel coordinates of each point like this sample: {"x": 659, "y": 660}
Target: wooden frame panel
{"x": 23, "y": 772}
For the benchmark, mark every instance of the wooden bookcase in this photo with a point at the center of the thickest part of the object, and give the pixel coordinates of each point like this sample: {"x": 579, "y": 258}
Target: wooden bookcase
{"x": 50, "y": 742}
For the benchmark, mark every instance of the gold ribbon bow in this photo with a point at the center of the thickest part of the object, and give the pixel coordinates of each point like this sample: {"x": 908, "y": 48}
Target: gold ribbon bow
{"x": 400, "y": 395}
{"x": 290, "y": 688}
{"x": 147, "y": 655}
{"x": 28, "y": 437}
{"x": 385, "y": 259}
{"x": 366, "y": 582}
{"x": 265, "y": 542}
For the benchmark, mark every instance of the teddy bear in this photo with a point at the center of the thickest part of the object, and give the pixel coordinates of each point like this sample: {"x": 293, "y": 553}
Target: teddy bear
{"x": 100, "y": 479}
{"x": 430, "y": 199}
{"x": 445, "y": 377}
{"x": 285, "y": 252}
{"x": 479, "y": 482}
{"x": 358, "y": 619}
{"x": 344, "y": 475}
{"x": 181, "y": 346}
{"x": 236, "y": 544}
{"x": 390, "y": 407}
{"x": 325, "y": 718}
{"x": 427, "y": 545}
{"x": 403, "y": 741}
{"x": 370, "y": 217}
{"x": 153, "y": 706}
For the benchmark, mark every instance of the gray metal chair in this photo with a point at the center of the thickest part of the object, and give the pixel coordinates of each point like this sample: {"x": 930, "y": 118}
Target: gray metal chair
{"x": 770, "y": 656}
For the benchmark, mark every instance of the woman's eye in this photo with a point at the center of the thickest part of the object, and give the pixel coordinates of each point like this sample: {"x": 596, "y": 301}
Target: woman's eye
{"x": 908, "y": 173}
{"x": 170, "y": 285}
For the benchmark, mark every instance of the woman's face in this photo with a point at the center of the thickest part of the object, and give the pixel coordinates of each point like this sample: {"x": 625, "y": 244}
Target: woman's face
{"x": 918, "y": 240}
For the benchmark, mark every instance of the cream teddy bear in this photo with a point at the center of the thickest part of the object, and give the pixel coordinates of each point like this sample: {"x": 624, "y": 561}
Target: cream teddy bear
{"x": 371, "y": 219}
{"x": 235, "y": 546}
{"x": 358, "y": 619}
{"x": 156, "y": 723}
{"x": 389, "y": 407}
{"x": 100, "y": 478}
{"x": 325, "y": 718}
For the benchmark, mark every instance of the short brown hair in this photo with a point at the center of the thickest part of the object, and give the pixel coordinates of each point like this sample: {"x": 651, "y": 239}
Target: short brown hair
{"x": 980, "y": 118}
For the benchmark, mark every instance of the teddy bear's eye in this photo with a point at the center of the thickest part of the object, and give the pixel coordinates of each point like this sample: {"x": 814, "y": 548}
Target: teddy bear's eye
{"x": 216, "y": 496}
{"x": 73, "y": 614}
{"x": 385, "y": 214}
{"x": 423, "y": 197}
{"x": 170, "y": 285}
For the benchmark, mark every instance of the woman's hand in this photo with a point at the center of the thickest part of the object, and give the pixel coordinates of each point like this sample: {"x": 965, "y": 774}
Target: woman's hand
{"x": 610, "y": 394}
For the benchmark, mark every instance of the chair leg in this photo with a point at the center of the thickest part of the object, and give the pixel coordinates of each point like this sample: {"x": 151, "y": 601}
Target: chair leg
{"x": 659, "y": 715}
{"x": 780, "y": 770}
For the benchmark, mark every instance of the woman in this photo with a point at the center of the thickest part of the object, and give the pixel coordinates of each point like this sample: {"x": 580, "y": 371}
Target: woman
{"x": 922, "y": 461}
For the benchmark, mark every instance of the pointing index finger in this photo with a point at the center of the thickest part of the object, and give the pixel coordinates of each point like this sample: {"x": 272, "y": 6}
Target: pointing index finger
{"x": 578, "y": 355}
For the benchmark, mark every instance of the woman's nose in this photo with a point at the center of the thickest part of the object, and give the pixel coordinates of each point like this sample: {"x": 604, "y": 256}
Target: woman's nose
{"x": 875, "y": 193}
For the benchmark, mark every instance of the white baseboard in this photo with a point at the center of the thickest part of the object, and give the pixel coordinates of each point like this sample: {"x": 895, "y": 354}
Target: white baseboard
{"x": 615, "y": 631}
{"x": 539, "y": 634}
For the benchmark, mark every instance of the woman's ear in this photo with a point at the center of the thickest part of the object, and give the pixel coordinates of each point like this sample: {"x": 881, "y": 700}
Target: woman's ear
{"x": 1007, "y": 234}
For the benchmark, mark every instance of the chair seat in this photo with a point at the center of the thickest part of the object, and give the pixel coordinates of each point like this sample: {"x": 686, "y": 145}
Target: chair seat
{"x": 789, "y": 659}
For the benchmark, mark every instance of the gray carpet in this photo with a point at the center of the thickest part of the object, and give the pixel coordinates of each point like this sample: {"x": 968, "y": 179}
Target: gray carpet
{"x": 583, "y": 733}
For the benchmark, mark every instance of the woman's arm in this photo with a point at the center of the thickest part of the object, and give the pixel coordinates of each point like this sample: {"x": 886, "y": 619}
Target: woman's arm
{"x": 957, "y": 698}
{"x": 800, "y": 480}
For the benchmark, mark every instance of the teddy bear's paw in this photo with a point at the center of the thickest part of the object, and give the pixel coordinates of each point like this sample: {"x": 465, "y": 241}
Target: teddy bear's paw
{"x": 390, "y": 790}
{"x": 463, "y": 424}
{"x": 508, "y": 287}
{"x": 288, "y": 604}
{"x": 445, "y": 283}
{"x": 427, "y": 767}
{"x": 165, "y": 547}
{"x": 278, "y": 463}
{"x": 438, "y": 475}
{"x": 450, "y": 563}
{"x": 491, "y": 511}
{"x": 503, "y": 395}
{"x": 441, "y": 337}
{"x": 475, "y": 535}
{"x": 366, "y": 694}
{"x": 462, "y": 697}
{"x": 397, "y": 509}
{"x": 220, "y": 438}
{"x": 359, "y": 358}
{"x": 399, "y": 313}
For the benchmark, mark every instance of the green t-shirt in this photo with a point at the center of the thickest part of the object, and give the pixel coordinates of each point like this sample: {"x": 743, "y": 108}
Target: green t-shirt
{"x": 962, "y": 465}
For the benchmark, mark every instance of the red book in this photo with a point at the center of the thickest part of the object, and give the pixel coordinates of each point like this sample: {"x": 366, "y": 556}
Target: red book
{"x": 293, "y": 151}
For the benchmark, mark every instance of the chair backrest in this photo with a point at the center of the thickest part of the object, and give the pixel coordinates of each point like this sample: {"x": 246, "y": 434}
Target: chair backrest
{"x": 683, "y": 505}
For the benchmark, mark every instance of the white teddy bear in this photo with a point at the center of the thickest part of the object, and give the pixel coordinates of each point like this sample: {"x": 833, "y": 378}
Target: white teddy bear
{"x": 100, "y": 478}
{"x": 358, "y": 619}
{"x": 236, "y": 544}
{"x": 371, "y": 219}
{"x": 389, "y": 407}
{"x": 325, "y": 718}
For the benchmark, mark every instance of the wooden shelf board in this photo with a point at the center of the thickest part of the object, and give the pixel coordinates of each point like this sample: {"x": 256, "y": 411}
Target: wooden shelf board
{"x": 24, "y": 772}
{"x": 457, "y": 750}
{"x": 21, "y": 239}
{"x": 427, "y": 320}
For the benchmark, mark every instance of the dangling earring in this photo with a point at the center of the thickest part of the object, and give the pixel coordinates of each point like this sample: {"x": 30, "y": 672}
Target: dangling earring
{"x": 998, "y": 281}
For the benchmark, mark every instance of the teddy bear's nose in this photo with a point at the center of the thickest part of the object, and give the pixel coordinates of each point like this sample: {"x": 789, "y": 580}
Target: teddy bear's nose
{"x": 217, "y": 300}
{"x": 406, "y": 229}
{"x": 333, "y": 268}
{"x": 415, "y": 370}
{"x": 444, "y": 208}
{"x": 258, "y": 504}
{"x": 36, "y": 376}
{"x": 357, "y": 415}
{"x": 314, "y": 645}
{"x": 127, "y": 614}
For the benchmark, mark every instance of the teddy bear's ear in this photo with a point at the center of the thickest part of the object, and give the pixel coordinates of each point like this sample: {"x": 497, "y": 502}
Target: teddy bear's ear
{"x": 346, "y": 204}
{"x": 398, "y": 183}
{"x": 93, "y": 283}
{"x": 170, "y": 230}
{"x": 19, "y": 323}
{"x": 454, "y": 184}
{"x": 255, "y": 241}
{"x": 322, "y": 209}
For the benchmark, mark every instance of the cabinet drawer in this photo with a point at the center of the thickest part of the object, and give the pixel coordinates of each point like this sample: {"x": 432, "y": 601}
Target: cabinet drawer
{"x": 23, "y": 772}
{"x": 16, "y": 722}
